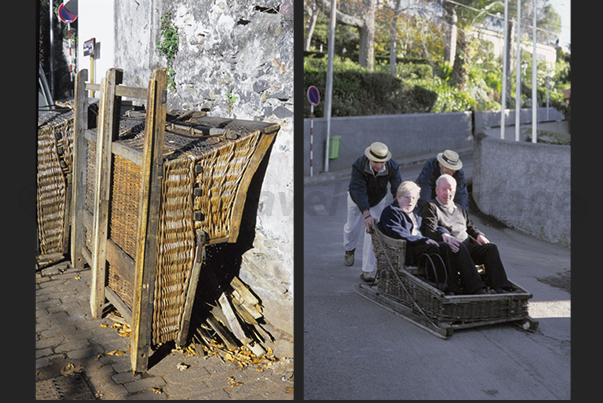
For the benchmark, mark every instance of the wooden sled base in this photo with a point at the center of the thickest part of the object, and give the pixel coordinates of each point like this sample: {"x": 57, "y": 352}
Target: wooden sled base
{"x": 442, "y": 330}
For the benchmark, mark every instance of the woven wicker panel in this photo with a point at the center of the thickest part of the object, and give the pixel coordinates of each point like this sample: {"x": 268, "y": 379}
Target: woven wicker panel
{"x": 221, "y": 173}
{"x": 90, "y": 175}
{"x": 55, "y": 145}
{"x": 125, "y": 198}
{"x": 223, "y": 163}
{"x": 122, "y": 287}
{"x": 175, "y": 250}
{"x": 50, "y": 194}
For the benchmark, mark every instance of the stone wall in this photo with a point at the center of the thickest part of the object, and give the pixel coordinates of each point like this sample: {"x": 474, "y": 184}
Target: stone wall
{"x": 411, "y": 135}
{"x": 235, "y": 59}
{"x": 524, "y": 185}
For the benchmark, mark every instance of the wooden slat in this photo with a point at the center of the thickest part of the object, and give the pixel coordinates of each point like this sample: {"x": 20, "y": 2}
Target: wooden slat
{"x": 119, "y": 304}
{"x": 93, "y": 87}
{"x": 148, "y": 221}
{"x": 87, "y": 255}
{"x": 241, "y": 194}
{"x": 107, "y": 123}
{"x": 191, "y": 290}
{"x": 127, "y": 153}
{"x": 131, "y": 92}
{"x": 67, "y": 216}
{"x": 122, "y": 91}
{"x": 120, "y": 261}
{"x": 88, "y": 220}
{"x": 78, "y": 236}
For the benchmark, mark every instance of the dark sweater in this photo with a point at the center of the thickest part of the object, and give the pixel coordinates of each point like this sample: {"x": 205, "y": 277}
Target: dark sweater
{"x": 427, "y": 179}
{"x": 367, "y": 189}
{"x": 438, "y": 220}
{"x": 397, "y": 224}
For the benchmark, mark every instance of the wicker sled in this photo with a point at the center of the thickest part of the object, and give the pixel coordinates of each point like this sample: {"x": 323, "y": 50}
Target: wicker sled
{"x": 404, "y": 290}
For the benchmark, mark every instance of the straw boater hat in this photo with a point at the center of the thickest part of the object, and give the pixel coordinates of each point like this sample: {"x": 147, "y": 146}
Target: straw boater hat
{"x": 450, "y": 160}
{"x": 378, "y": 152}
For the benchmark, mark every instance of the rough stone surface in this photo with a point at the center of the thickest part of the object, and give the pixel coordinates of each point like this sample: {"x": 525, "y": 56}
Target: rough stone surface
{"x": 234, "y": 58}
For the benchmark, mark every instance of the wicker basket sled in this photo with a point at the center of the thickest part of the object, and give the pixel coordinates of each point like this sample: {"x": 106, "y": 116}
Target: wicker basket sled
{"x": 152, "y": 190}
{"x": 53, "y": 185}
{"x": 404, "y": 290}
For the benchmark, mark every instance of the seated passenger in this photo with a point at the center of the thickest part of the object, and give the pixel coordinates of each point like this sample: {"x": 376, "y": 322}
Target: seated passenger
{"x": 444, "y": 220}
{"x": 399, "y": 220}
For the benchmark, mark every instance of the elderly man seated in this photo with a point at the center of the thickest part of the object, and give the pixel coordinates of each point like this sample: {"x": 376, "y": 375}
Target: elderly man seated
{"x": 444, "y": 220}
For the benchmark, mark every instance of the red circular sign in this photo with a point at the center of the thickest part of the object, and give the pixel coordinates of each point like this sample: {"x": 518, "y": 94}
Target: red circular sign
{"x": 313, "y": 95}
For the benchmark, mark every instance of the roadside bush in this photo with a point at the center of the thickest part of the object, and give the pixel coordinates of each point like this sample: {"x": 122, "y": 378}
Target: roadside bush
{"x": 357, "y": 92}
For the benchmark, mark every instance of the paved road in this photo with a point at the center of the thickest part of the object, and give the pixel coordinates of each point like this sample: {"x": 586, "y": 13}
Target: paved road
{"x": 354, "y": 349}
{"x": 66, "y": 334}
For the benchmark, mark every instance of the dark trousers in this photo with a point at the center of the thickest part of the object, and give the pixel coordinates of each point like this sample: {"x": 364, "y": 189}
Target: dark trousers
{"x": 463, "y": 277}
{"x": 488, "y": 255}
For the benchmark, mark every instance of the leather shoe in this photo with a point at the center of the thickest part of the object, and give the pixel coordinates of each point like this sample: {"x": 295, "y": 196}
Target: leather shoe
{"x": 348, "y": 259}
{"x": 367, "y": 277}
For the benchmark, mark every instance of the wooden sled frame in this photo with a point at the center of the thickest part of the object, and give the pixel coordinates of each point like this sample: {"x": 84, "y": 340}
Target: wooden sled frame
{"x": 429, "y": 308}
{"x": 103, "y": 249}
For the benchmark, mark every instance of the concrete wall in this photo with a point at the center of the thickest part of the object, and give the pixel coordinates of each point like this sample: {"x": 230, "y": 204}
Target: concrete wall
{"x": 488, "y": 119}
{"x": 407, "y": 136}
{"x": 526, "y": 186}
{"x": 96, "y": 20}
{"x": 235, "y": 58}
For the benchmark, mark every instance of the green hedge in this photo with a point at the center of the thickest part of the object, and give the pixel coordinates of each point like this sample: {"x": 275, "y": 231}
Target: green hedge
{"x": 357, "y": 93}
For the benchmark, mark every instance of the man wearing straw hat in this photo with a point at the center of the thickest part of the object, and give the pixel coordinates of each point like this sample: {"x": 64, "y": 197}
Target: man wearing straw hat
{"x": 371, "y": 173}
{"x": 447, "y": 162}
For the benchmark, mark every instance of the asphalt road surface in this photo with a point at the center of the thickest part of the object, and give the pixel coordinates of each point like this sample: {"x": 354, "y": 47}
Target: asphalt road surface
{"x": 355, "y": 349}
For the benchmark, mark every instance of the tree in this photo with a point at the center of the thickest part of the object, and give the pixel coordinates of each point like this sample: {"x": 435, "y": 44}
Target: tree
{"x": 364, "y": 21}
{"x": 312, "y": 10}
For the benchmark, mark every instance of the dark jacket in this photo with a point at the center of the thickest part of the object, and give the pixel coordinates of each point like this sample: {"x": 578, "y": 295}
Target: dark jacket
{"x": 366, "y": 189}
{"x": 427, "y": 179}
{"x": 396, "y": 224}
{"x": 437, "y": 221}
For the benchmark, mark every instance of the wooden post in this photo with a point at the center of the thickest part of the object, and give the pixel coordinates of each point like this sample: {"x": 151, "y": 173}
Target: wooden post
{"x": 202, "y": 240}
{"x": 80, "y": 124}
{"x": 148, "y": 221}
{"x": 102, "y": 190}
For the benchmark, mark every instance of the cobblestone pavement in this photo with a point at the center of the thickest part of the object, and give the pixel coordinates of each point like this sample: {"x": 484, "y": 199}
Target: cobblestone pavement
{"x": 68, "y": 339}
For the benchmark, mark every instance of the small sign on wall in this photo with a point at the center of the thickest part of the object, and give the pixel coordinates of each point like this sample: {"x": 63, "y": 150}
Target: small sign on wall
{"x": 89, "y": 46}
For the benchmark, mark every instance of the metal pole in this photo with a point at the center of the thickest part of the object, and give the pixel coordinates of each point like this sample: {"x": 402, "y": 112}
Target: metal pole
{"x": 518, "y": 75}
{"x": 311, "y": 136}
{"x": 547, "y": 91}
{"x": 330, "y": 79}
{"x": 51, "y": 48}
{"x": 534, "y": 75}
{"x": 504, "y": 74}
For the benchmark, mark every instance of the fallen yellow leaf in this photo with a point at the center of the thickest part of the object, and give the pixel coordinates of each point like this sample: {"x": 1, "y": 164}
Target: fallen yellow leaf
{"x": 116, "y": 352}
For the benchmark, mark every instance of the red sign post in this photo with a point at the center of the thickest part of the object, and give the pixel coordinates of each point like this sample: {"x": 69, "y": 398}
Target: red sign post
{"x": 314, "y": 99}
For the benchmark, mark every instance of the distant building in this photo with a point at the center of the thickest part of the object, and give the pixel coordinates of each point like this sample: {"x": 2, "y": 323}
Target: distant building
{"x": 547, "y": 53}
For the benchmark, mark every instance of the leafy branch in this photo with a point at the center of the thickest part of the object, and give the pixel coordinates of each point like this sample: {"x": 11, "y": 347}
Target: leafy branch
{"x": 167, "y": 46}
